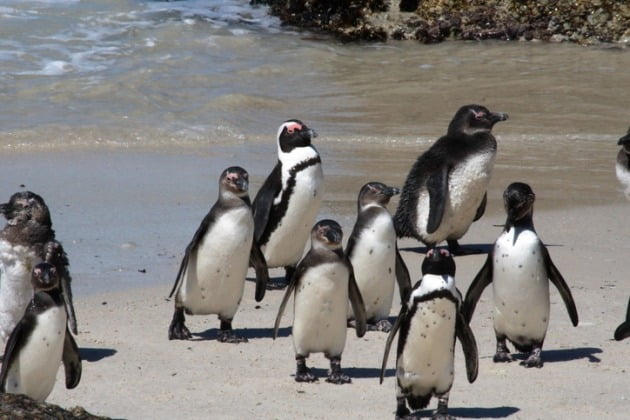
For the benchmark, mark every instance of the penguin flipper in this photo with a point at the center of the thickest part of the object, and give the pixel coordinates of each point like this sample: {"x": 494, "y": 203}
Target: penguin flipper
{"x": 19, "y": 334}
{"x": 623, "y": 330}
{"x": 192, "y": 247}
{"x": 558, "y": 281}
{"x": 469, "y": 345}
{"x": 257, "y": 260}
{"x": 264, "y": 201}
{"x": 390, "y": 338}
{"x": 56, "y": 256}
{"x": 66, "y": 292}
{"x": 402, "y": 277}
{"x": 71, "y": 361}
{"x": 482, "y": 207}
{"x": 437, "y": 186}
{"x": 299, "y": 271}
{"x": 358, "y": 307}
{"x": 479, "y": 283}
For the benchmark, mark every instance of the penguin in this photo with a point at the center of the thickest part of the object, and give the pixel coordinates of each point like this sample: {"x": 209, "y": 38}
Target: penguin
{"x": 623, "y": 330}
{"x": 322, "y": 285}
{"x": 445, "y": 190}
{"x": 26, "y": 240}
{"x": 41, "y": 341}
{"x": 374, "y": 255}
{"x": 286, "y": 206}
{"x": 622, "y": 167}
{"x": 211, "y": 277}
{"x": 519, "y": 268}
{"x": 428, "y": 323}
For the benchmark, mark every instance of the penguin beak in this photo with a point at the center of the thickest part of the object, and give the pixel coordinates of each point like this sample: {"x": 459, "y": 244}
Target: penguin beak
{"x": 391, "y": 191}
{"x": 625, "y": 140}
{"x": 242, "y": 184}
{"x": 311, "y": 133}
{"x": 497, "y": 116}
{"x": 333, "y": 236}
{"x": 4, "y": 208}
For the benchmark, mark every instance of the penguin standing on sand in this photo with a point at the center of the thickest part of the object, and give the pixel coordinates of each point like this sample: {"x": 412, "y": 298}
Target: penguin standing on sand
{"x": 519, "y": 268}
{"x": 26, "y": 240}
{"x": 445, "y": 190}
{"x": 323, "y": 283}
{"x": 622, "y": 167}
{"x": 287, "y": 203}
{"x": 374, "y": 255}
{"x": 40, "y": 342}
{"x": 211, "y": 277}
{"x": 428, "y": 324}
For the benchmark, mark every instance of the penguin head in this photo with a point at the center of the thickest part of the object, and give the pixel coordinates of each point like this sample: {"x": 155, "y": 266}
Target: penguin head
{"x": 472, "y": 119}
{"x": 44, "y": 277}
{"x": 293, "y": 134}
{"x": 24, "y": 207}
{"x": 234, "y": 180}
{"x": 376, "y": 192}
{"x": 326, "y": 234}
{"x": 439, "y": 262}
{"x": 625, "y": 142}
{"x": 518, "y": 199}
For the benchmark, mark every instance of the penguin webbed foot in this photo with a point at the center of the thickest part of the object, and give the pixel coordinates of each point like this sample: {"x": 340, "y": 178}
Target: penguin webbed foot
{"x": 534, "y": 359}
{"x": 177, "y": 330}
{"x": 335, "y": 375}
{"x": 383, "y": 326}
{"x": 402, "y": 412}
{"x": 226, "y": 334}
{"x": 303, "y": 373}
{"x": 502, "y": 354}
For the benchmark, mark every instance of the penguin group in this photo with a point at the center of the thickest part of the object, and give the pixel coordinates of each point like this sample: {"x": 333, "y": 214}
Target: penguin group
{"x": 333, "y": 287}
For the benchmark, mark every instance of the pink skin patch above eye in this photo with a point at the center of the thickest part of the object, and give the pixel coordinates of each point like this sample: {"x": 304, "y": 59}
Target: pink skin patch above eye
{"x": 292, "y": 127}
{"x": 232, "y": 177}
{"x": 479, "y": 115}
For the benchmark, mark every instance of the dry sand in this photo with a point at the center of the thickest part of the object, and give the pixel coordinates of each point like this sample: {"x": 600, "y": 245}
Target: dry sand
{"x": 131, "y": 370}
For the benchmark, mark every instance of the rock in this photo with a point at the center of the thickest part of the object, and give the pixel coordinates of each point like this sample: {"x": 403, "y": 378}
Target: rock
{"x": 17, "y": 407}
{"x": 582, "y": 21}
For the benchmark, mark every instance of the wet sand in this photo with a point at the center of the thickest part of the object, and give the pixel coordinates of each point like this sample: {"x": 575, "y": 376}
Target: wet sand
{"x": 125, "y": 218}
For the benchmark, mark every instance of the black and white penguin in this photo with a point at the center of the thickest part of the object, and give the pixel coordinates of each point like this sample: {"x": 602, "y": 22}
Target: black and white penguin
{"x": 445, "y": 190}
{"x": 323, "y": 283}
{"x": 26, "y": 240}
{"x": 374, "y": 255}
{"x": 211, "y": 277}
{"x": 519, "y": 268}
{"x": 623, "y": 330}
{"x": 622, "y": 167}
{"x": 428, "y": 323}
{"x": 286, "y": 206}
{"x": 41, "y": 341}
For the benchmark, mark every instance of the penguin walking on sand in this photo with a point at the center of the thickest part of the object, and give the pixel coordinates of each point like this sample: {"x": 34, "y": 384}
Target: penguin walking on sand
{"x": 323, "y": 283}
{"x": 41, "y": 341}
{"x": 445, "y": 190}
{"x": 623, "y": 330}
{"x": 622, "y": 167}
{"x": 211, "y": 276}
{"x": 286, "y": 206}
{"x": 519, "y": 268}
{"x": 374, "y": 255}
{"x": 26, "y": 240}
{"x": 428, "y": 323}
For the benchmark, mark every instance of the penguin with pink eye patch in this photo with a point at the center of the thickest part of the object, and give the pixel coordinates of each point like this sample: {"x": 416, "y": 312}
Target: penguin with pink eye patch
{"x": 286, "y": 206}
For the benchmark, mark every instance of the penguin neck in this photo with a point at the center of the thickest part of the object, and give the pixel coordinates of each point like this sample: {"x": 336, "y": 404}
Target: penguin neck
{"x": 43, "y": 299}
{"x": 523, "y": 224}
{"x": 29, "y": 233}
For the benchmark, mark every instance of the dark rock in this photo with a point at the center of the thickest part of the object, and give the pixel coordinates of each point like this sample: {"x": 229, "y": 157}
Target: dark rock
{"x": 18, "y": 407}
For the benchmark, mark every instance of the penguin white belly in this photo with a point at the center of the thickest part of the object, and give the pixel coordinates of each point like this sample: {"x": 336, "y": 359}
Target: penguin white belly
{"x": 215, "y": 276}
{"x": 467, "y": 185}
{"x": 320, "y": 309}
{"x": 520, "y": 288}
{"x": 623, "y": 175}
{"x": 35, "y": 369}
{"x": 286, "y": 243}
{"x": 426, "y": 363}
{"x": 16, "y": 291}
{"x": 374, "y": 262}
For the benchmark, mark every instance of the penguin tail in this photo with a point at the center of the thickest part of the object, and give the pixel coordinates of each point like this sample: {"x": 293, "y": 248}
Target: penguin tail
{"x": 417, "y": 402}
{"x": 622, "y": 331}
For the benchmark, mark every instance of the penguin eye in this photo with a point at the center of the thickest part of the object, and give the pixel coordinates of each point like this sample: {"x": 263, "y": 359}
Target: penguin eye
{"x": 479, "y": 115}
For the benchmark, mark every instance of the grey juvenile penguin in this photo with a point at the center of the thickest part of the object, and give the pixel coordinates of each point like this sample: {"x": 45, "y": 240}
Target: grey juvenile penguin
{"x": 445, "y": 190}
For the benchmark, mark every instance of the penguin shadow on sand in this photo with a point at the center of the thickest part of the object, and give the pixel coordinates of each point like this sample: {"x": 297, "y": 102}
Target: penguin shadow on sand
{"x": 274, "y": 283}
{"x": 248, "y": 333}
{"x": 478, "y": 248}
{"x": 354, "y": 372}
{"x": 565, "y": 355}
{"x": 472, "y": 412}
{"x": 91, "y": 354}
